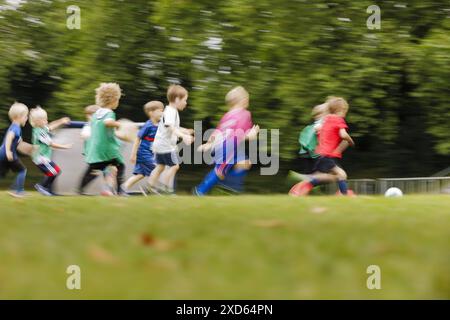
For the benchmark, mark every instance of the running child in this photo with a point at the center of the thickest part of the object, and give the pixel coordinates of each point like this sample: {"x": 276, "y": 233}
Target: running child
{"x": 142, "y": 155}
{"x": 165, "y": 144}
{"x": 332, "y": 134}
{"x": 9, "y": 159}
{"x": 103, "y": 148}
{"x": 109, "y": 174}
{"x": 308, "y": 138}
{"x": 44, "y": 145}
{"x": 227, "y": 141}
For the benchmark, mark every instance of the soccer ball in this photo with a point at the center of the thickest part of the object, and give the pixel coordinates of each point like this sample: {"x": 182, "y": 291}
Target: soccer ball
{"x": 393, "y": 193}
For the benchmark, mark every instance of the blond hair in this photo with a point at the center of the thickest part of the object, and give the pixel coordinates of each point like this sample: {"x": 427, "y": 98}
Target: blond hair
{"x": 236, "y": 95}
{"x": 176, "y": 91}
{"x": 89, "y": 110}
{"x": 37, "y": 114}
{"x": 17, "y": 110}
{"x": 152, "y": 106}
{"x": 337, "y": 104}
{"x": 319, "y": 110}
{"x": 108, "y": 95}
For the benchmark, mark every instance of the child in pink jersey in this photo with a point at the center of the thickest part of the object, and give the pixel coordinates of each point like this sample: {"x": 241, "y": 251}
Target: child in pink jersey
{"x": 234, "y": 128}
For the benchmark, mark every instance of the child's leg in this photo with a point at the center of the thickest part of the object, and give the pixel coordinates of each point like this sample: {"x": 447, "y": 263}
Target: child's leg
{"x": 341, "y": 177}
{"x": 90, "y": 174}
{"x": 208, "y": 183}
{"x": 18, "y": 167}
{"x": 132, "y": 181}
{"x": 120, "y": 176}
{"x": 154, "y": 178}
{"x": 236, "y": 176}
{"x": 170, "y": 177}
{"x": 51, "y": 171}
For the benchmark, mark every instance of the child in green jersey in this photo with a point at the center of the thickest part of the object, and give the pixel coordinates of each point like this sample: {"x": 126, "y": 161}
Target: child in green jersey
{"x": 44, "y": 145}
{"x": 103, "y": 149}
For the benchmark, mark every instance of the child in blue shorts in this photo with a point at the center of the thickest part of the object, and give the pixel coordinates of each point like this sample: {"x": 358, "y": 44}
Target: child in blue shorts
{"x": 142, "y": 155}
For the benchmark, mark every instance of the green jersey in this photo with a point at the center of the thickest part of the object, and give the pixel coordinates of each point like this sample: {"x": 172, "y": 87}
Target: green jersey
{"x": 42, "y": 140}
{"x": 308, "y": 142}
{"x": 103, "y": 144}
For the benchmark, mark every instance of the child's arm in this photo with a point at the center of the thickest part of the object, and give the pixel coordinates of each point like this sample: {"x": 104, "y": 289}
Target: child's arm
{"x": 187, "y": 131}
{"x": 110, "y": 123}
{"x": 252, "y": 134}
{"x": 342, "y": 146}
{"x": 180, "y": 133}
{"x": 60, "y": 146}
{"x": 58, "y": 123}
{"x": 8, "y": 143}
{"x": 346, "y": 137}
{"x": 134, "y": 151}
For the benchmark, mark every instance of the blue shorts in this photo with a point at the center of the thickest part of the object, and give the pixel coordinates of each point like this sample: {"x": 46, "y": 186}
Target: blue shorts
{"x": 144, "y": 168}
{"x": 167, "y": 159}
{"x": 325, "y": 164}
{"x": 227, "y": 155}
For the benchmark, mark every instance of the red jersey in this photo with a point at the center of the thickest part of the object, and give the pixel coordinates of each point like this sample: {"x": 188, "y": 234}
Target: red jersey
{"x": 329, "y": 138}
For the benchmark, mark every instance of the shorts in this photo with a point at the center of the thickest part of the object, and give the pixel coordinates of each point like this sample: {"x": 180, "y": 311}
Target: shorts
{"x": 170, "y": 159}
{"x": 144, "y": 168}
{"x": 325, "y": 164}
{"x": 50, "y": 169}
{"x": 307, "y": 164}
{"x": 227, "y": 155}
{"x": 14, "y": 166}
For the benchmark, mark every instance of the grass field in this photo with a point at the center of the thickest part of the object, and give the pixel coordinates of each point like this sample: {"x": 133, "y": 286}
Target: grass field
{"x": 255, "y": 247}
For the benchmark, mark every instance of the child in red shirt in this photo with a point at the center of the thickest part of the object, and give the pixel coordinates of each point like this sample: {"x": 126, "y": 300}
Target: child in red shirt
{"x": 331, "y": 135}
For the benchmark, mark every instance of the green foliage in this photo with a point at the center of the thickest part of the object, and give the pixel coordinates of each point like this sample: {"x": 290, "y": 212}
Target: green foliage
{"x": 289, "y": 54}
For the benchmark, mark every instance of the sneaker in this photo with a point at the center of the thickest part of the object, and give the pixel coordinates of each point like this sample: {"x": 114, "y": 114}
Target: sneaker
{"x": 301, "y": 189}
{"x": 144, "y": 191}
{"x": 195, "y": 192}
{"x": 44, "y": 191}
{"x": 155, "y": 191}
{"x": 18, "y": 194}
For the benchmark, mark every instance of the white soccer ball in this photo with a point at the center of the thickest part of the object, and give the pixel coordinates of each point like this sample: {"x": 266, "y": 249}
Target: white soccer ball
{"x": 393, "y": 193}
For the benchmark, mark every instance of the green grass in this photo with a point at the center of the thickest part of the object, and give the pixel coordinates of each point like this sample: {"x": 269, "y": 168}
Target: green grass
{"x": 261, "y": 247}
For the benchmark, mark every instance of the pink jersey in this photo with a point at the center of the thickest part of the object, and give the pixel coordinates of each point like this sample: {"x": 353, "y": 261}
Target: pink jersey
{"x": 235, "y": 123}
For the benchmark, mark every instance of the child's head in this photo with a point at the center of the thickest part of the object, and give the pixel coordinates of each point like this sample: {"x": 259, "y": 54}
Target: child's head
{"x": 237, "y": 97}
{"x": 38, "y": 117}
{"x": 177, "y": 96}
{"x": 338, "y": 106}
{"x": 90, "y": 110}
{"x": 108, "y": 95}
{"x": 320, "y": 111}
{"x": 18, "y": 113}
{"x": 154, "y": 110}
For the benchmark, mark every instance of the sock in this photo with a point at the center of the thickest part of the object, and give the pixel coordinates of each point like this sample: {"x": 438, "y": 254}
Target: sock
{"x": 20, "y": 181}
{"x": 315, "y": 182}
{"x": 208, "y": 183}
{"x": 343, "y": 186}
{"x": 235, "y": 179}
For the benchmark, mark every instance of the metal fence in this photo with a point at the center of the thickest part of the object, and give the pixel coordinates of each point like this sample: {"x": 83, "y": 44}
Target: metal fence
{"x": 431, "y": 185}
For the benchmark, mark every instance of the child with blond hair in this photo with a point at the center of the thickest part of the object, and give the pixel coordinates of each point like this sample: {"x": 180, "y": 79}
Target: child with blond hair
{"x": 103, "y": 148}
{"x": 9, "y": 159}
{"x": 333, "y": 140}
{"x": 234, "y": 128}
{"x": 44, "y": 144}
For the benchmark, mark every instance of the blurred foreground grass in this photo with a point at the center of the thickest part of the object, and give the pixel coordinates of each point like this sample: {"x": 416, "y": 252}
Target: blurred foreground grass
{"x": 262, "y": 247}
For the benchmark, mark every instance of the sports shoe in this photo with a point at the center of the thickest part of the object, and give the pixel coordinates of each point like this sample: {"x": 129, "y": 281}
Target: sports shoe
{"x": 18, "y": 194}
{"x": 301, "y": 189}
{"x": 42, "y": 190}
{"x": 196, "y": 193}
